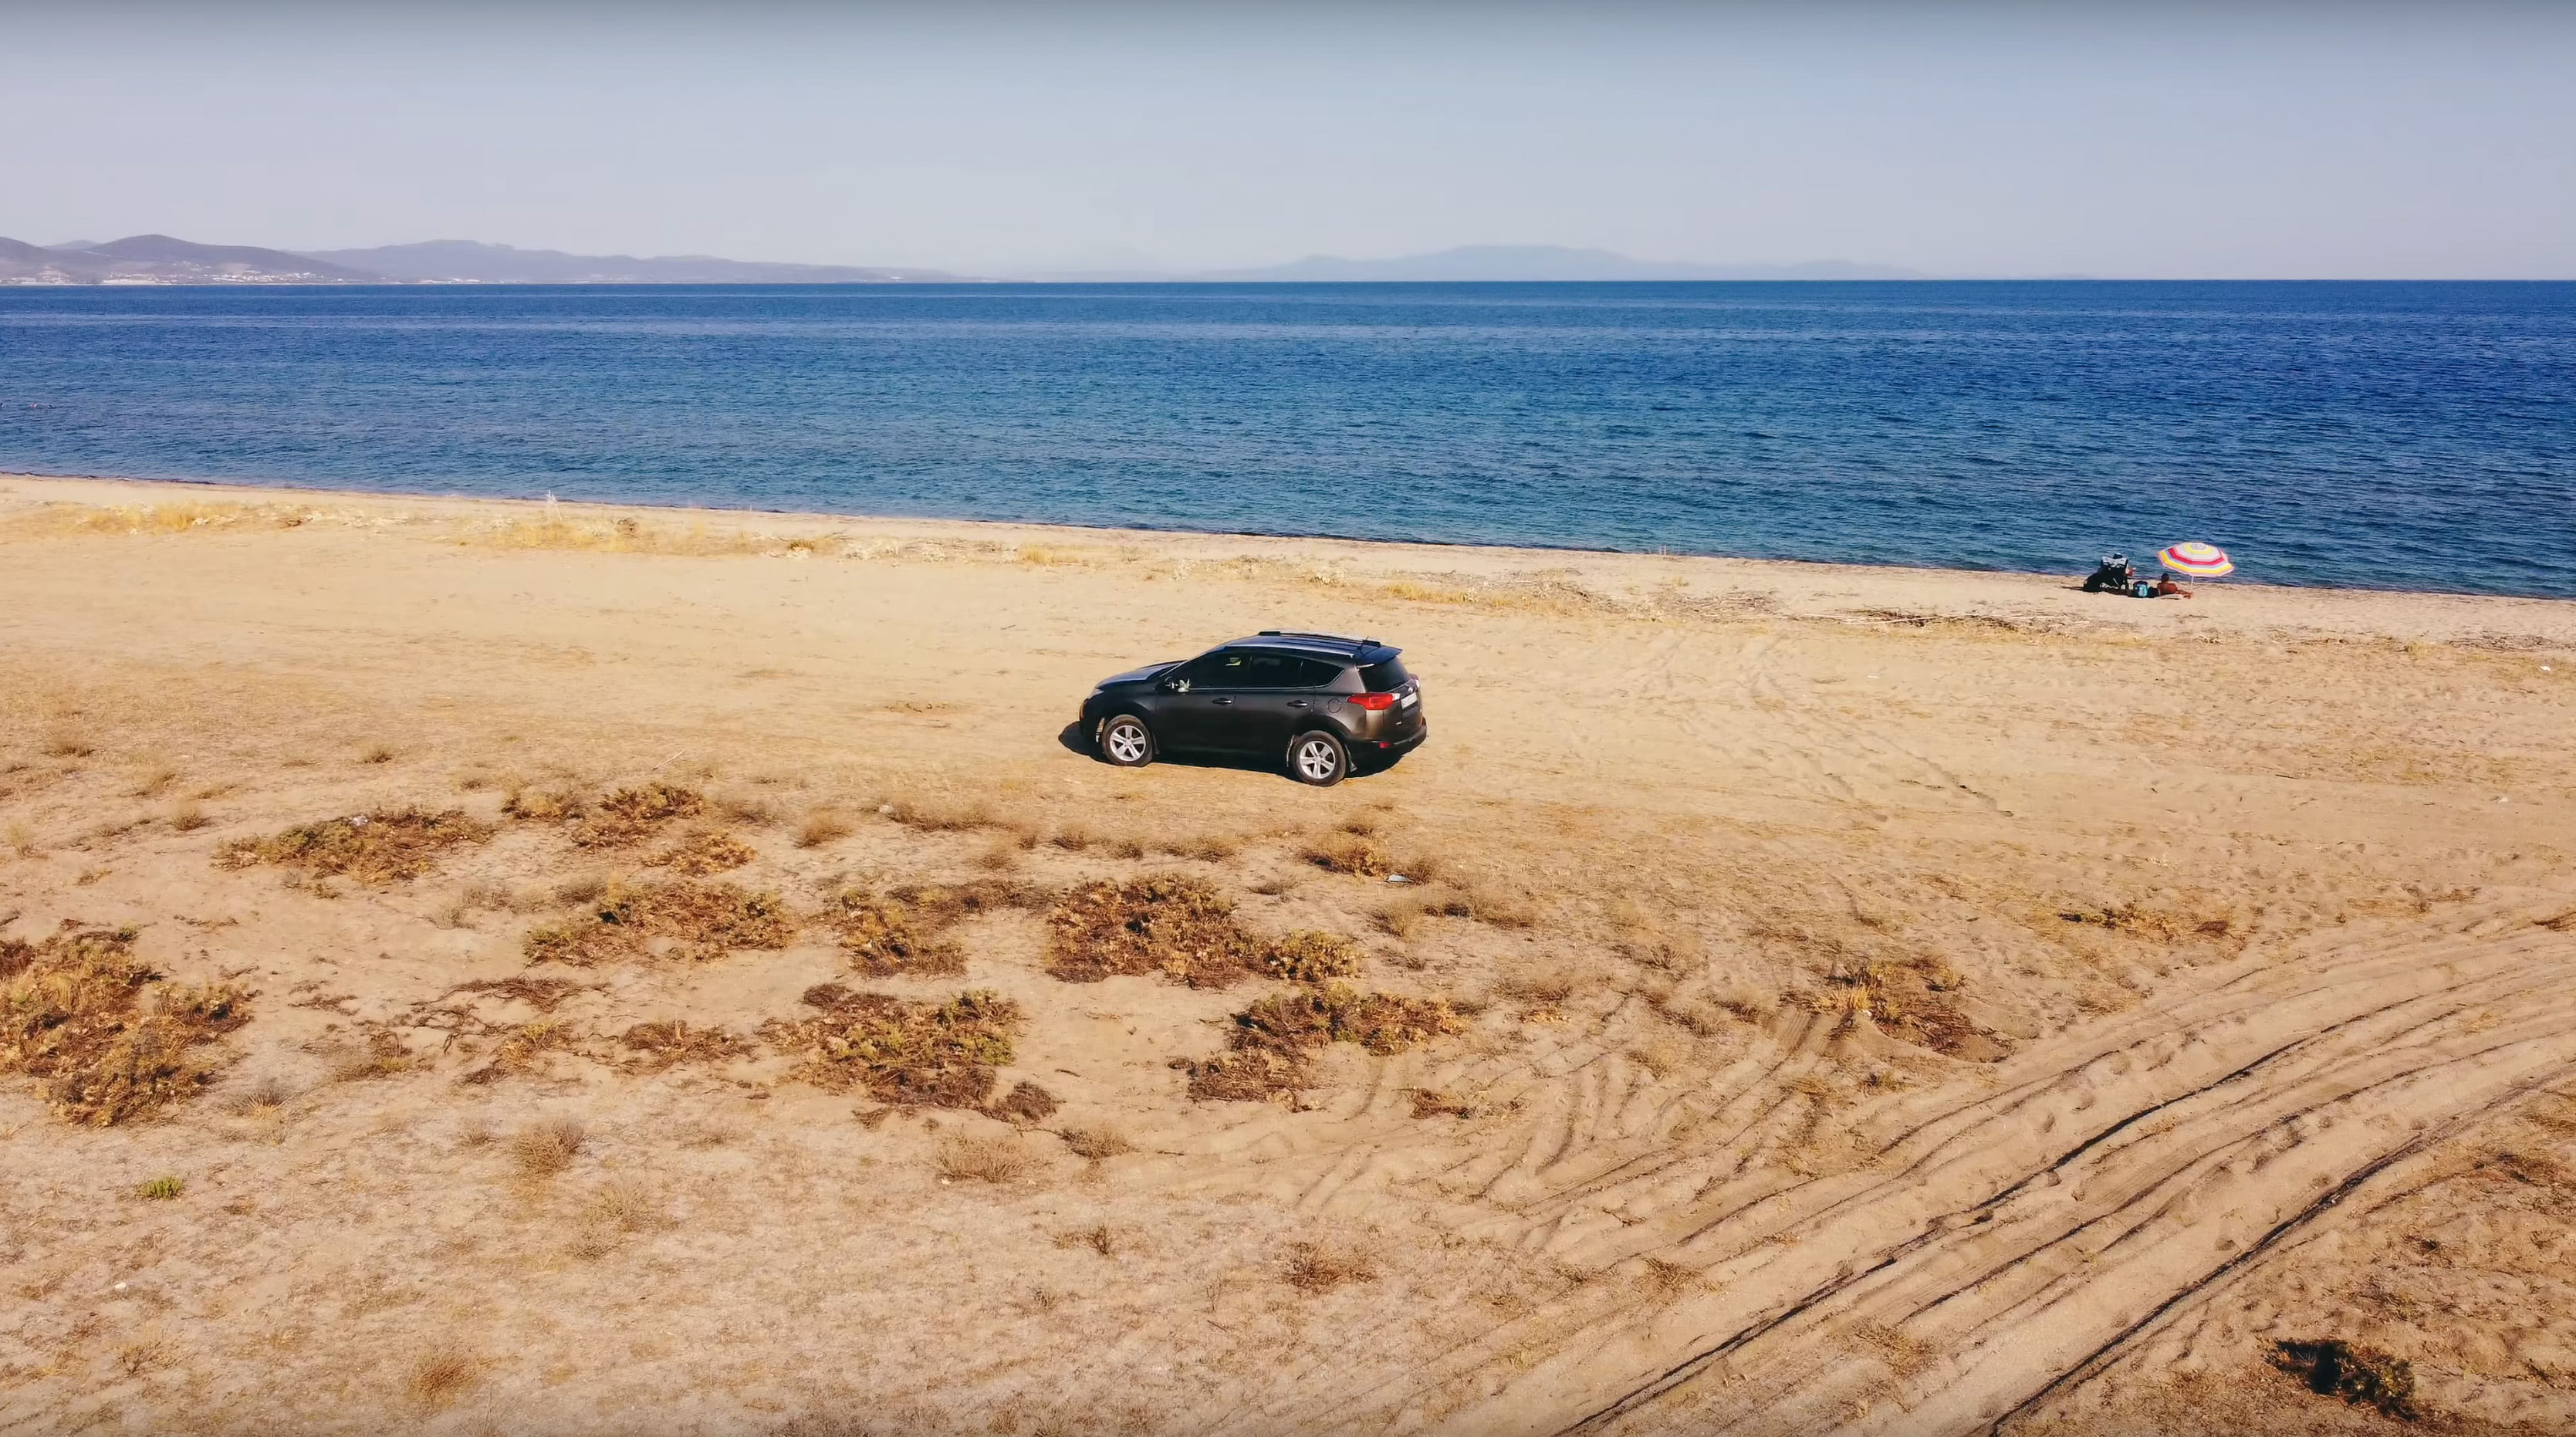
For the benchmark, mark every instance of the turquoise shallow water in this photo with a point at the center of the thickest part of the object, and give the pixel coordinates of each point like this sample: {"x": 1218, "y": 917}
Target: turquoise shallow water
{"x": 2417, "y": 436}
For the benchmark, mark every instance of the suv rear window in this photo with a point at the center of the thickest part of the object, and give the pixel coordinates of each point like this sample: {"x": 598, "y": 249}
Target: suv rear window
{"x": 1385, "y": 678}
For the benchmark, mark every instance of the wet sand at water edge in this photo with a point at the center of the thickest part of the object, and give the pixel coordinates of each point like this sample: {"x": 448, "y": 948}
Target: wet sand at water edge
{"x": 482, "y": 967}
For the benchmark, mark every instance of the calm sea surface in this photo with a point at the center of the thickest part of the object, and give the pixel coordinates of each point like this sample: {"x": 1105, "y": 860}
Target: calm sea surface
{"x": 2399, "y": 435}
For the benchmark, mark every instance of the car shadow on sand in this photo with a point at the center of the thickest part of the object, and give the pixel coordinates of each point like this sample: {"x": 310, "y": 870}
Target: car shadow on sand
{"x": 1073, "y": 741}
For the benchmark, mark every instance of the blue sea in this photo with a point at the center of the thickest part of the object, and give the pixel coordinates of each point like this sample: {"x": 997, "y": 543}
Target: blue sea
{"x": 2398, "y": 435}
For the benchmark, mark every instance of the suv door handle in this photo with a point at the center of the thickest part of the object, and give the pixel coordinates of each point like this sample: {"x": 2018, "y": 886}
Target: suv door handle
{"x": 1296, "y": 703}
{"x": 1224, "y": 703}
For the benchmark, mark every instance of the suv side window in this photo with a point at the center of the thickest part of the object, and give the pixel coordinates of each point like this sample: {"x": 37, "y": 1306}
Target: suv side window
{"x": 1267, "y": 671}
{"x": 1207, "y": 671}
{"x": 1316, "y": 673}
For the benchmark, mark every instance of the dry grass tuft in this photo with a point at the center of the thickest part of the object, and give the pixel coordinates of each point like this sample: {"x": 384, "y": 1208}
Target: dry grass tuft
{"x": 188, "y": 815}
{"x": 382, "y": 1056}
{"x": 543, "y": 994}
{"x": 931, "y": 816}
{"x": 1096, "y": 1237}
{"x": 822, "y": 826}
{"x": 704, "y": 854}
{"x": 935, "y": 1055}
{"x": 1351, "y": 853}
{"x": 520, "y": 1049}
{"x": 1314, "y": 1269}
{"x": 1273, "y": 1041}
{"x": 438, "y": 1378}
{"x": 22, "y": 840}
{"x": 1437, "y": 1103}
{"x": 1097, "y": 1141}
{"x": 1663, "y": 1281}
{"x": 162, "y": 1189}
{"x": 996, "y": 1159}
{"x": 2360, "y": 1375}
{"x": 1026, "y": 1105}
{"x": 69, "y": 742}
{"x": 1913, "y": 1001}
{"x": 547, "y": 1146}
{"x": 701, "y": 921}
{"x": 617, "y": 1211}
{"x": 377, "y": 847}
{"x": 660, "y": 1046}
{"x": 376, "y": 753}
{"x": 261, "y": 1096}
{"x": 73, "y": 1015}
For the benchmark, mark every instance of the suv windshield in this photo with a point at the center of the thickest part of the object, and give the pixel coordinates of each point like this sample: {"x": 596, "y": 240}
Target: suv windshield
{"x": 1385, "y": 678}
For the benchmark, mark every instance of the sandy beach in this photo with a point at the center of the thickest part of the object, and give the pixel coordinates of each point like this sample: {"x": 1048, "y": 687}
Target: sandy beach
{"x": 1836, "y": 999}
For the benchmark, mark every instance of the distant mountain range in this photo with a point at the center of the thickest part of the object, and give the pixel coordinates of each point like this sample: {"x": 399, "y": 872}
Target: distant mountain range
{"x": 160, "y": 259}
{"x": 1539, "y": 263}
{"x": 457, "y": 261}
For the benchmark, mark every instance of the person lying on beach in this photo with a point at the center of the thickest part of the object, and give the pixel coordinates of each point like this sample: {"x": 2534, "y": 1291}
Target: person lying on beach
{"x": 2166, "y": 588}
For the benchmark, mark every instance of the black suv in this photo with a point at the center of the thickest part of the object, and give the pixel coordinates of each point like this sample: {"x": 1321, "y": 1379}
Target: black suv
{"x": 1324, "y": 703}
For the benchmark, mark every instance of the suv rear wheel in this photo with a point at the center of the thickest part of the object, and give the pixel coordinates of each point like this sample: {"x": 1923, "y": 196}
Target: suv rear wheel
{"x": 1126, "y": 742}
{"x": 1318, "y": 758}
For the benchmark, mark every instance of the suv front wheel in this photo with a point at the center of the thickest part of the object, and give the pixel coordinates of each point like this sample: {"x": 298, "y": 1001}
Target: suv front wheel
{"x": 1126, "y": 742}
{"x": 1318, "y": 758}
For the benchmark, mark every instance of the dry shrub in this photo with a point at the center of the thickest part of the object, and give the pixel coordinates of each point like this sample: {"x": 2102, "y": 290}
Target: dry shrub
{"x": 1663, "y": 1281}
{"x": 439, "y": 1377}
{"x": 376, "y": 753}
{"x": 376, "y": 847}
{"x": 74, "y": 1016}
{"x": 657, "y": 1047}
{"x": 748, "y": 808}
{"x": 1072, "y": 839}
{"x": 820, "y": 827}
{"x": 520, "y": 1048}
{"x": 2131, "y": 918}
{"x": 547, "y": 1146}
{"x": 1096, "y": 1237}
{"x": 1097, "y": 1141}
{"x": 996, "y": 1159}
{"x": 1335, "y": 1013}
{"x": 700, "y": 921}
{"x": 1352, "y": 853}
{"x": 1313, "y": 1269}
{"x": 885, "y": 937}
{"x": 1178, "y": 926}
{"x": 1270, "y": 1050}
{"x": 631, "y": 815}
{"x": 1026, "y": 1105}
{"x": 704, "y": 854}
{"x": 929, "y": 1054}
{"x": 188, "y": 815}
{"x": 1308, "y": 956}
{"x": 2360, "y": 1375}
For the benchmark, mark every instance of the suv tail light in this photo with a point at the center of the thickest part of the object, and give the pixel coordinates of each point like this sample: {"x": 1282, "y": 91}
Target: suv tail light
{"x": 1374, "y": 703}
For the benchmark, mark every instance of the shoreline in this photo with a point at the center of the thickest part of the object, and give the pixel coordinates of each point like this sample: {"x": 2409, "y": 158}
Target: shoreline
{"x": 1566, "y": 555}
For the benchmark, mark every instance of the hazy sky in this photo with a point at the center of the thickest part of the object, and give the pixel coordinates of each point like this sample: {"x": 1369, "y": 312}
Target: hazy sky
{"x": 2147, "y": 139}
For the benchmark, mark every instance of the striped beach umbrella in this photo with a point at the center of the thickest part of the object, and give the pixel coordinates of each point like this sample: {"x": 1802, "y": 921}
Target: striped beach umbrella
{"x": 2201, "y": 561}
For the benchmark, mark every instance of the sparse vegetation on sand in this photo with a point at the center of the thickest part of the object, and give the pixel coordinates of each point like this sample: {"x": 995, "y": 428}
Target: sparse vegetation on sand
{"x": 1270, "y": 1052}
{"x": 913, "y": 1054}
{"x": 377, "y": 847}
{"x": 690, "y": 920}
{"x": 2363, "y": 1376}
{"x": 108, "y": 1039}
{"x": 704, "y": 854}
{"x": 654, "y": 1047}
{"x": 886, "y": 937}
{"x": 1182, "y": 928}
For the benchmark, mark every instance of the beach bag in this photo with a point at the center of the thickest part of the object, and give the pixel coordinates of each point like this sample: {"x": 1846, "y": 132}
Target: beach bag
{"x": 2143, "y": 589}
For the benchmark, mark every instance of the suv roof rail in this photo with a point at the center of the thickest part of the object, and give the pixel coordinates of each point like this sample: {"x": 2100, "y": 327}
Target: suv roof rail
{"x": 1309, "y": 634}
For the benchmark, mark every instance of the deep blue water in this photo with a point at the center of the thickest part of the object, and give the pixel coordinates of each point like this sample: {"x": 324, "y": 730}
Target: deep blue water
{"x": 2399, "y": 435}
